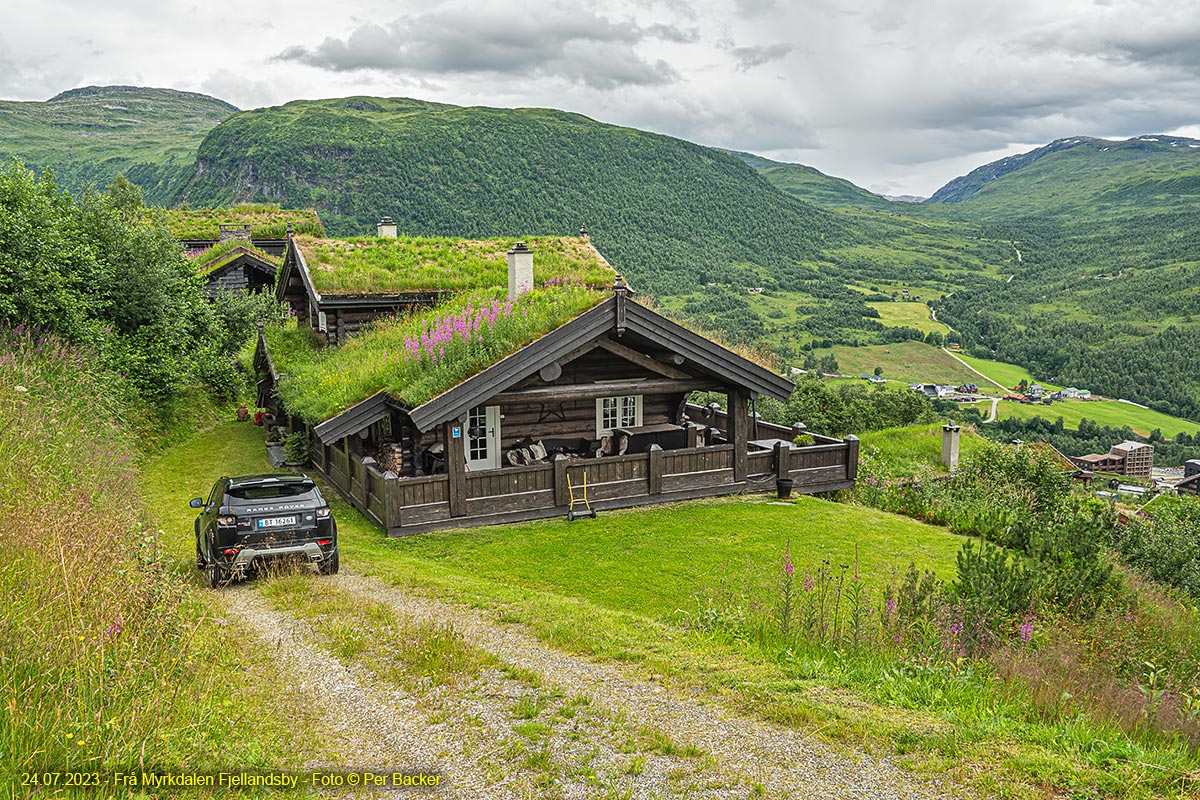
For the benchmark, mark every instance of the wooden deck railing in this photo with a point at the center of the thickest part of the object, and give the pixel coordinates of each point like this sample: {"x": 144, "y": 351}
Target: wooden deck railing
{"x": 412, "y": 505}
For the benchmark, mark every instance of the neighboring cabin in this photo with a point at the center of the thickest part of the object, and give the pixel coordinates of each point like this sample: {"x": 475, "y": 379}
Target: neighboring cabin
{"x": 486, "y": 390}
{"x": 239, "y": 248}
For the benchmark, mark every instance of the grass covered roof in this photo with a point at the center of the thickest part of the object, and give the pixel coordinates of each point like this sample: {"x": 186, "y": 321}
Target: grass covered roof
{"x": 415, "y": 357}
{"x": 378, "y": 264}
{"x": 266, "y": 221}
{"x": 220, "y": 254}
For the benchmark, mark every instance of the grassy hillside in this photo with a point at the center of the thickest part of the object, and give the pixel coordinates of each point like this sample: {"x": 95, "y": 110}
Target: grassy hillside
{"x": 90, "y": 135}
{"x": 1103, "y": 412}
{"x": 809, "y": 183}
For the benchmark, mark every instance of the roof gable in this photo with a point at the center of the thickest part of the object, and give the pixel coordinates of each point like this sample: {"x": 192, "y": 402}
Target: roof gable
{"x": 618, "y": 314}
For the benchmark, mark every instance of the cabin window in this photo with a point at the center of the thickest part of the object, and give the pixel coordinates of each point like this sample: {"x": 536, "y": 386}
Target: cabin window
{"x": 618, "y": 412}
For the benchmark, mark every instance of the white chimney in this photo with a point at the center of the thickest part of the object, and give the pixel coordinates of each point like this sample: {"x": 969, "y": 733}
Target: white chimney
{"x": 386, "y": 228}
{"x": 520, "y": 270}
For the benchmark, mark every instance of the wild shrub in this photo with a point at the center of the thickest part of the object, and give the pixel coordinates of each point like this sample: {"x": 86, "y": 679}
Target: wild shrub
{"x": 1163, "y": 543}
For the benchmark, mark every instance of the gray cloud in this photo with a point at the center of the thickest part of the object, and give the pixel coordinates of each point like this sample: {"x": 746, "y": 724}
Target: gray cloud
{"x": 750, "y": 57}
{"x": 574, "y": 45}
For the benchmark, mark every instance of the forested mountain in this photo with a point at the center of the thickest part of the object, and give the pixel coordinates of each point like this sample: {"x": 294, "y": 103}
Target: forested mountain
{"x": 672, "y": 213}
{"x": 91, "y": 135}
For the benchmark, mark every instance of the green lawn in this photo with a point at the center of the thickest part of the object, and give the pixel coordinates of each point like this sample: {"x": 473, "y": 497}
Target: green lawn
{"x": 908, "y": 315}
{"x": 651, "y": 561}
{"x": 1105, "y": 412}
{"x": 911, "y": 362}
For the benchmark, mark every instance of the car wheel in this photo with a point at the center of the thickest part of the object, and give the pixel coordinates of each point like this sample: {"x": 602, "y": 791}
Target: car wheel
{"x": 216, "y": 575}
{"x": 331, "y": 563}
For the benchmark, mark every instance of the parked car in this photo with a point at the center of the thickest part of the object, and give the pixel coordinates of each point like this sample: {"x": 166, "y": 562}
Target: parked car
{"x": 254, "y": 519}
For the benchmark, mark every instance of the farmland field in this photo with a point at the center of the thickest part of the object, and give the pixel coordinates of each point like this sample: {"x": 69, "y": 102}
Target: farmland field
{"x": 1105, "y": 412}
{"x": 908, "y": 315}
{"x": 1008, "y": 374}
{"x": 911, "y": 362}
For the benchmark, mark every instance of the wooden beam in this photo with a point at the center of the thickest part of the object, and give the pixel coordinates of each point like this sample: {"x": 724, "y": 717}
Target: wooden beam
{"x": 642, "y": 360}
{"x": 590, "y": 391}
{"x": 456, "y": 465}
{"x": 739, "y": 429}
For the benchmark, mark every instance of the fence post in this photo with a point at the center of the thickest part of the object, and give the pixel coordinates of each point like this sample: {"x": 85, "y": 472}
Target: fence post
{"x": 783, "y": 460}
{"x": 365, "y": 481}
{"x": 851, "y": 457}
{"x": 561, "y": 496}
{"x": 656, "y": 469}
{"x": 392, "y": 499}
{"x": 739, "y": 423}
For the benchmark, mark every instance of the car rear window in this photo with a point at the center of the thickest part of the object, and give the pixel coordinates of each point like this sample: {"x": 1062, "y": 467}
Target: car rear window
{"x": 272, "y": 491}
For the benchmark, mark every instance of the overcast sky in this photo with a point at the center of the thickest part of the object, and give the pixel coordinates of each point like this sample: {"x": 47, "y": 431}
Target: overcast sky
{"x": 896, "y": 96}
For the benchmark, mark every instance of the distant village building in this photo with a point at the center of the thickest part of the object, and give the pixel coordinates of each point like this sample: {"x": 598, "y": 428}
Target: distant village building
{"x": 1131, "y": 459}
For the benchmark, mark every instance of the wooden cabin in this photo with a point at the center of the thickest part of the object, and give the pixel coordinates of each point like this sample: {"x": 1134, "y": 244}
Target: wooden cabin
{"x": 244, "y": 268}
{"x": 600, "y": 397}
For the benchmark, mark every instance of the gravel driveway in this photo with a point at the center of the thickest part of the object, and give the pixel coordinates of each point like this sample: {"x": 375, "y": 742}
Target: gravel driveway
{"x": 471, "y": 737}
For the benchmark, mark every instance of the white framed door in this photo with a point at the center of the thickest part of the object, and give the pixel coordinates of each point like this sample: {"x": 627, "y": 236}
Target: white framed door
{"x": 483, "y": 438}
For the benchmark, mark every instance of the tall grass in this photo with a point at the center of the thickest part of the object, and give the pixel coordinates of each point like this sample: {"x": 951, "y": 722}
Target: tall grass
{"x": 106, "y": 657}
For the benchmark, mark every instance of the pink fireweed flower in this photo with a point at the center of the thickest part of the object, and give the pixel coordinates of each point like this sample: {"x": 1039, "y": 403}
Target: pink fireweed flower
{"x": 788, "y": 568}
{"x": 1026, "y": 630}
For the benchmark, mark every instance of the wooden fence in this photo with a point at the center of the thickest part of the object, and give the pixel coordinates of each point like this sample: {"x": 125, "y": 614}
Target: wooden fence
{"x": 403, "y": 506}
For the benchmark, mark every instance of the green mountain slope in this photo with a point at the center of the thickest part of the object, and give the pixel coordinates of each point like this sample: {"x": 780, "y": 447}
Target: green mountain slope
{"x": 1082, "y": 176}
{"x": 669, "y": 212}
{"x": 90, "y": 135}
{"x": 808, "y": 183}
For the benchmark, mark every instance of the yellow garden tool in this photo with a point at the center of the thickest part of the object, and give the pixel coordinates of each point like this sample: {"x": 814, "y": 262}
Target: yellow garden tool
{"x": 580, "y": 500}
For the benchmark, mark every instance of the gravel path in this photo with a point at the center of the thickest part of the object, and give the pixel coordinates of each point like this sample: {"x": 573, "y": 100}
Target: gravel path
{"x": 748, "y": 752}
{"x": 376, "y": 727}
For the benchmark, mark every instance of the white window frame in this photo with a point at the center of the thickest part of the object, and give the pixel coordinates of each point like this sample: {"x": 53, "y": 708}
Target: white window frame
{"x": 621, "y": 420}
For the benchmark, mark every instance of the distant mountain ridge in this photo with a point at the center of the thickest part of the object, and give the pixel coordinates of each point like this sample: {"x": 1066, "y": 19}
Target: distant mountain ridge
{"x": 1103, "y": 156}
{"x": 93, "y": 133}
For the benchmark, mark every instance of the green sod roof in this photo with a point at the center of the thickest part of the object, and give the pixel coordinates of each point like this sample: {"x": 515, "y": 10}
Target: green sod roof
{"x": 221, "y": 254}
{"x": 266, "y": 221}
{"x": 415, "y": 357}
{"x": 378, "y": 265}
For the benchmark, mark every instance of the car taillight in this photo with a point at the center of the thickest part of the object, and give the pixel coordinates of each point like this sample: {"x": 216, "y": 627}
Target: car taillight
{"x": 229, "y": 551}
{"x": 324, "y": 542}
{"x": 230, "y": 521}
{"x": 322, "y": 513}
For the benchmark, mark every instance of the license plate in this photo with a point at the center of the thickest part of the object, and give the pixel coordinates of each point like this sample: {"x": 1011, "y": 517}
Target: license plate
{"x": 276, "y": 522}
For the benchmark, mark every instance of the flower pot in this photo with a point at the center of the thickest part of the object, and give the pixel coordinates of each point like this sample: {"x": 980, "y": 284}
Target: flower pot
{"x": 783, "y": 487}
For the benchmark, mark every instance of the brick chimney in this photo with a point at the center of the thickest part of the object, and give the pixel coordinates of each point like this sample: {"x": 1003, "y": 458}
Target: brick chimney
{"x": 386, "y": 228}
{"x": 520, "y": 270}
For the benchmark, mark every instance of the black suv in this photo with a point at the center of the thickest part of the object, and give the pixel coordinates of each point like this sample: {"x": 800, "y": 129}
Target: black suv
{"x": 257, "y": 518}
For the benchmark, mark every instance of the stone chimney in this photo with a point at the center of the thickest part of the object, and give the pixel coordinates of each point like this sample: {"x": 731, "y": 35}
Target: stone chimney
{"x": 386, "y": 228}
{"x": 950, "y": 434}
{"x": 520, "y": 270}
